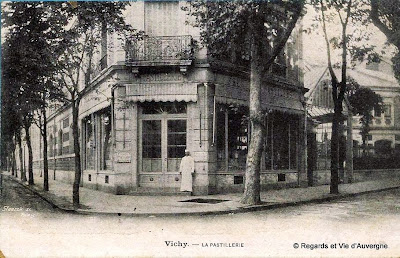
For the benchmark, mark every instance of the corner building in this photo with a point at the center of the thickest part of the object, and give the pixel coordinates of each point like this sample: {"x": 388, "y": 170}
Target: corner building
{"x": 151, "y": 99}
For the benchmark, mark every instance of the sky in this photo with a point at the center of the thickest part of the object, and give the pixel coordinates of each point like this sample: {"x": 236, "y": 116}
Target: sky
{"x": 314, "y": 46}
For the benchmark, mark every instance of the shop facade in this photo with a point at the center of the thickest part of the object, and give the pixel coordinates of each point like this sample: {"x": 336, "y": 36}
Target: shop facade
{"x": 155, "y": 98}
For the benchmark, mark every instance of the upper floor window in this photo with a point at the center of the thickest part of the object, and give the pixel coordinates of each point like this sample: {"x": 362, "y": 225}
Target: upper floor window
{"x": 377, "y": 112}
{"x": 161, "y": 18}
{"x": 387, "y": 110}
{"x": 51, "y": 146}
{"x": 65, "y": 122}
{"x": 60, "y": 142}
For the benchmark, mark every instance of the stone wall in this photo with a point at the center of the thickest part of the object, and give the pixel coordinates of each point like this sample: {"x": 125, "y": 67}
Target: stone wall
{"x": 125, "y": 144}
{"x": 200, "y": 138}
{"x": 369, "y": 175}
{"x": 323, "y": 177}
{"x": 234, "y": 182}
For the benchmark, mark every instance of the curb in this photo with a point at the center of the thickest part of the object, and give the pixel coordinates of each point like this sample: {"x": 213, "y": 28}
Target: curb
{"x": 245, "y": 209}
{"x": 240, "y": 209}
{"x": 316, "y": 200}
{"x": 42, "y": 196}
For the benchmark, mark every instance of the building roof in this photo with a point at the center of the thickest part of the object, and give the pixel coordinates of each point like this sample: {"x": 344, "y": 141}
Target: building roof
{"x": 312, "y": 77}
{"x": 314, "y": 74}
{"x": 370, "y": 78}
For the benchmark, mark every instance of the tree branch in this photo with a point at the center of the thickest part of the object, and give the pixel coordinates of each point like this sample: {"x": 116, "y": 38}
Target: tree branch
{"x": 344, "y": 53}
{"x": 328, "y": 49}
{"x": 38, "y": 122}
{"x": 374, "y": 15}
{"x": 70, "y": 90}
{"x": 282, "y": 42}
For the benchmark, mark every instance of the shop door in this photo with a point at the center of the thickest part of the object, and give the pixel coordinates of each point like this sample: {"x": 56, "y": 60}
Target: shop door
{"x": 161, "y": 148}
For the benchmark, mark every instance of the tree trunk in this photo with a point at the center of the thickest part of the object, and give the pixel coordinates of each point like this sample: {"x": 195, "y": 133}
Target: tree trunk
{"x": 45, "y": 159}
{"x": 10, "y": 163}
{"x": 252, "y": 183}
{"x": 336, "y": 130}
{"x": 334, "y": 188}
{"x": 30, "y": 154}
{"x": 14, "y": 165}
{"x": 364, "y": 143}
{"x": 365, "y": 128}
{"x": 78, "y": 169}
{"x": 12, "y": 158}
{"x": 21, "y": 160}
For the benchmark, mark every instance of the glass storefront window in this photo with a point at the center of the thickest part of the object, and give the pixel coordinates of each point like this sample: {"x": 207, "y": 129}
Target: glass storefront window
{"x": 293, "y": 140}
{"x": 89, "y": 144}
{"x": 281, "y": 145}
{"x": 163, "y": 136}
{"x": 237, "y": 138}
{"x": 280, "y": 149}
{"x": 268, "y": 146}
{"x": 151, "y": 152}
{"x": 97, "y": 140}
{"x": 176, "y": 143}
{"x": 281, "y": 139}
{"x": 221, "y": 154}
{"x": 232, "y": 143}
{"x": 105, "y": 141}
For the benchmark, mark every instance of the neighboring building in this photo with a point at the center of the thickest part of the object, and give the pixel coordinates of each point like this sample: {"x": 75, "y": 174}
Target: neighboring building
{"x": 154, "y": 98}
{"x": 320, "y": 109}
{"x": 385, "y": 127}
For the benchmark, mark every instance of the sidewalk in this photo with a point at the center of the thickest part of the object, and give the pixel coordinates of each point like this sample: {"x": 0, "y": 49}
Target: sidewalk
{"x": 97, "y": 202}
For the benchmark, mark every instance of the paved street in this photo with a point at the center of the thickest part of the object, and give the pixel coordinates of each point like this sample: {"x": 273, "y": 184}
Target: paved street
{"x": 15, "y": 195}
{"x": 43, "y": 231}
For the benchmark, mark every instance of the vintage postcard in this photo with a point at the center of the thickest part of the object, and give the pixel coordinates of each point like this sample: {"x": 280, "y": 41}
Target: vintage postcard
{"x": 200, "y": 128}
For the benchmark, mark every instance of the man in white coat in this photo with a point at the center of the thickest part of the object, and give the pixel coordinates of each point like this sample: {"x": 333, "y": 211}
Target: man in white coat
{"x": 186, "y": 169}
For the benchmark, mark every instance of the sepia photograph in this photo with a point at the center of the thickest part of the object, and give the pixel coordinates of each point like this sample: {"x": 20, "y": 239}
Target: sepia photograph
{"x": 200, "y": 128}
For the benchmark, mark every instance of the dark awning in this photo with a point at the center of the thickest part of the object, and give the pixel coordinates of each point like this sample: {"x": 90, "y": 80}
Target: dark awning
{"x": 272, "y": 97}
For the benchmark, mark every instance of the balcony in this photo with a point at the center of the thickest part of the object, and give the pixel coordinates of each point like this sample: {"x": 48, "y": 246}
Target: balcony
{"x": 160, "y": 51}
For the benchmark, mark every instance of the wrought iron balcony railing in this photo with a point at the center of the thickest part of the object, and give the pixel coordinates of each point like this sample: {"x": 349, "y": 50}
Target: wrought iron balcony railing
{"x": 159, "y": 49}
